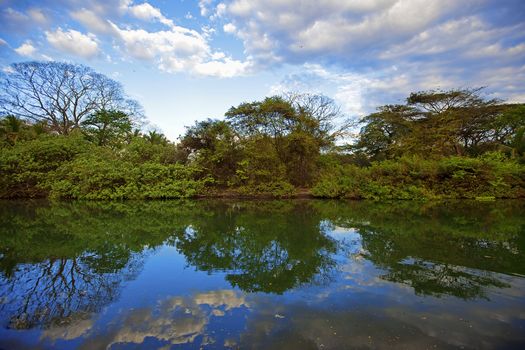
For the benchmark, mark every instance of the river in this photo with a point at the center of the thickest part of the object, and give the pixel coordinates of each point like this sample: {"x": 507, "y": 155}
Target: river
{"x": 292, "y": 274}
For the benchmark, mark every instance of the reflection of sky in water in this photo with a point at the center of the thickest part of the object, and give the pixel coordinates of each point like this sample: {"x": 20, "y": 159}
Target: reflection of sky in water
{"x": 359, "y": 303}
{"x": 171, "y": 305}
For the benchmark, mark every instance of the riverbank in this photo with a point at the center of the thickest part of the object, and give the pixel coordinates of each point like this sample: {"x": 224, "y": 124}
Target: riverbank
{"x": 69, "y": 167}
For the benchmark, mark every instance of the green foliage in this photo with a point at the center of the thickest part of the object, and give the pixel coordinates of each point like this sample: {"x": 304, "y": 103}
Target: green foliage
{"x": 441, "y": 123}
{"x": 71, "y": 167}
{"x": 14, "y": 129}
{"x": 296, "y": 128}
{"x": 103, "y": 176}
{"x": 260, "y": 164}
{"x": 26, "y": 166}
{"x": 156, "y": 138}
{"x": 140, "y": 150}
{"x": 415, "y": 178}
{"x": 277, "y": 189}
{"x": 107, "y": 128}
{"x": 211, "y": 145}
{"x": 440, "y": 144}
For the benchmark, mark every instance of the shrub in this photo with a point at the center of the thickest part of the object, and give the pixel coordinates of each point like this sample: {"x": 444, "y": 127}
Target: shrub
{"x": 26, "y": 165}
{"x": 103, "y": 176}
{"x": 277, "y": 189}
{"x": 490, "y": 175}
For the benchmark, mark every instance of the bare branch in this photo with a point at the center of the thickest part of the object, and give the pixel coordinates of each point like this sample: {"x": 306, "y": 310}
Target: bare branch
{"x": 61, "y": 94}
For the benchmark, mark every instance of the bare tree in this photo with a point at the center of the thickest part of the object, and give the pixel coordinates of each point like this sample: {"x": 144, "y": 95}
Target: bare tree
{"x": 60, "y": 94}
{"x": 332, "y": 122}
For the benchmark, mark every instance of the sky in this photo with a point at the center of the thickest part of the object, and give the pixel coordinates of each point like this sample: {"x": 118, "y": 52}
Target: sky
{"x": 191, "y": 60}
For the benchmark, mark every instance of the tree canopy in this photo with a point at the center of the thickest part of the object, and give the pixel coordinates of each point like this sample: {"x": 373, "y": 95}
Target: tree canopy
{"x": 441, "y": 123}
{"x": 62, "y": 95}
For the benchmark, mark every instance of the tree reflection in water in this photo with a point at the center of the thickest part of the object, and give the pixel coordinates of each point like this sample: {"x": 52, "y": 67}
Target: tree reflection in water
{"x": 266, "y": 247}
{"x": 60, "y": 289}
{"x": 65, "y": 261}
{"x": 454, "y": 248}
{"x": 61, "y": 262}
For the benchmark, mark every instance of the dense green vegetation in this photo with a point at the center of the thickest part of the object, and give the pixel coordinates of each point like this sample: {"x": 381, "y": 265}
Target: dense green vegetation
{"x": 68, "y": 132}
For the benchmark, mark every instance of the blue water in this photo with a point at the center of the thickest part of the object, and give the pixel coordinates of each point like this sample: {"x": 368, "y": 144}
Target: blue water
{"x": 262, "y": 274}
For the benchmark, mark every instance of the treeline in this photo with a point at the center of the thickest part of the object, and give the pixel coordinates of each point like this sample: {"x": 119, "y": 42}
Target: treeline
{"x": 69, "y": 132}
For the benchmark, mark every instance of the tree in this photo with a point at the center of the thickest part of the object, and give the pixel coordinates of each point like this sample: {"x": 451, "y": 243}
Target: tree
{"x": 60, "y": 94}
{"x": 14, "y": 129}
{"x": 298, "y": 127}
{"x": 327, "y": 122}
{"x": 510, "y": 127}
{"x": 156, "y": 138}
{"x": 439, "y": 123}
{"x": 10, "y": 129}
{"x": 107, "y": 127}
{"x": 213, "y": 145}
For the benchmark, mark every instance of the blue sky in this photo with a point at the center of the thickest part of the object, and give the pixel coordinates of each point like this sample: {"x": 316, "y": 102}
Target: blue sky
{"x": 190, "y": 60}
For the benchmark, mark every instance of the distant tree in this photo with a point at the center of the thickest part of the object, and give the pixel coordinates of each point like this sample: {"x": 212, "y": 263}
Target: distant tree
{"x": 60, "y": 94}
{"x": 156, "y": 138}
{"x": 439, "y": 123}
{"x": 14, "y": 129}
{"x": 327, "y": 122}
{"x": 10, "y": 129}
{"x": 107, "y": 127}
{"x": 510, "y": 127}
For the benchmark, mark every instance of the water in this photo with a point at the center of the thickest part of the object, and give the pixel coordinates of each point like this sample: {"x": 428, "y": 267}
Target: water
{"x": 262, "y": 274}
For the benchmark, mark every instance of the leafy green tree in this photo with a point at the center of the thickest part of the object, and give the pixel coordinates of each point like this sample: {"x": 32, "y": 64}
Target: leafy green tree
{"x": 14, "y": 129}
{"x": 511, "y": 129}
{"x": 10, "y": 129}
{"x": 302, "y": 153}
{"x": 27, "y": 167}
{"x": 212, "y": 144}
{"x": 380, "y": 136}
{"x": 322, "y": 117}
{"x": 297, "y": 126}
{"x": 439, "y": 123}
{"x": 140, "y": 150}
{"x": 156, "y": 138}
{"x": 106, "y": 128}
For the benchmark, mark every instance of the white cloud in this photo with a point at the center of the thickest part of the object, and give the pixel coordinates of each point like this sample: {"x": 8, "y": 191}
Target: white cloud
{"x": 14, "y": 15}
{"x": 73, "y": 42}
{"x": 360, "y": 93}
{"x": 207, "y": 31}
{"x": 97, "y": 14}
{"x": 179, "y": 50}
{"x": 46, "y": 57}
{"x": 469, "y": 36}
{"x": 37, "y": 16}
{"x": 498, "y": 51}
{"x": 223, "y": 68}
{"x": 229, "y": 28}
{"x": 92, "y": 21}
{"x": 220, "y": 10}
{"x": 348, "y": 89}
{"x": 8, "y": 69}
{"x": 26, "y": 49}
{"x": 3, "y": 42}
{"x": 179, "y": 41}
{"x": 22, "y": 20}
{"x": 146, "y": 12}
{"x": 293, "y": 30}
{"x": 204, "y": 7}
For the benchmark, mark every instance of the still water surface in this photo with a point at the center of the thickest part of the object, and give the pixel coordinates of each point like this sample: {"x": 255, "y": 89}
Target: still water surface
{"x": 262, "y": 274}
